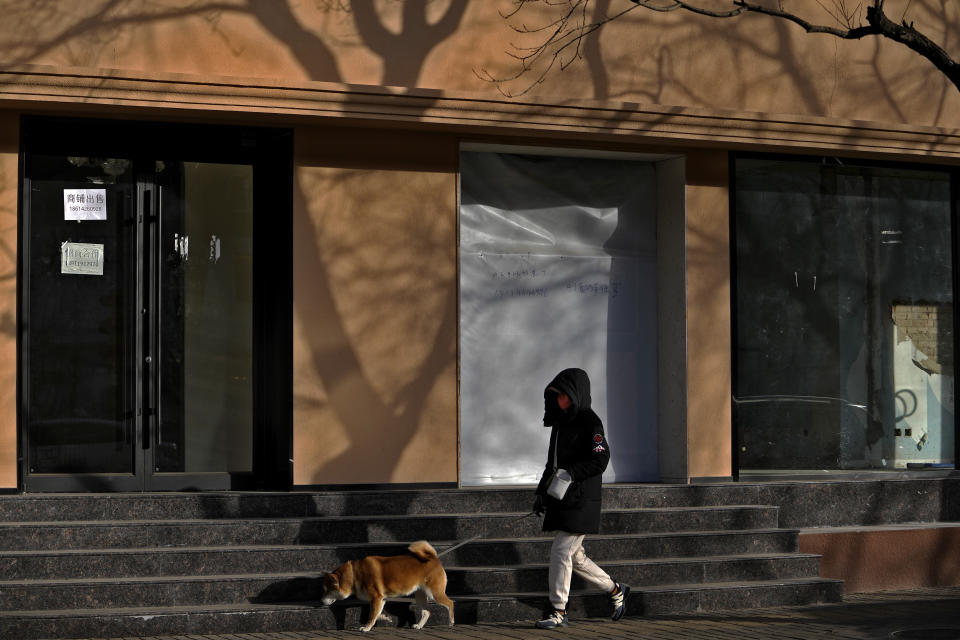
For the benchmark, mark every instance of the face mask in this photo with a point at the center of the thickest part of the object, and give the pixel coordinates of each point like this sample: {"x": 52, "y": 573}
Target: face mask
{"x": 553, "y": 415}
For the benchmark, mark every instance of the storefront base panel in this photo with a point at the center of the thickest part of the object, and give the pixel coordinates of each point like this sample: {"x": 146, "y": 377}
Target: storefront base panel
{"x": 888, "y": 557}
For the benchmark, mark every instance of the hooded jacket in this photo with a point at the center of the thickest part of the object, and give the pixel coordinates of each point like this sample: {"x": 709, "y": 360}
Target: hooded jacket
{"x": 581, "y": 448}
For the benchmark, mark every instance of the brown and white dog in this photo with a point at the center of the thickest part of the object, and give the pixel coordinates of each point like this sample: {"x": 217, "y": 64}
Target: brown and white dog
{"x": 376, "y": 578}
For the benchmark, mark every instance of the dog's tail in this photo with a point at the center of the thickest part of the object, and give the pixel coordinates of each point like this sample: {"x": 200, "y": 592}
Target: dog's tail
{"x": 423, "y": 550}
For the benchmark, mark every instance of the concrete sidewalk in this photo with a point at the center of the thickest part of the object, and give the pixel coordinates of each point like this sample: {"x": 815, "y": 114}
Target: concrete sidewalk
{"x": 899, "y": 615}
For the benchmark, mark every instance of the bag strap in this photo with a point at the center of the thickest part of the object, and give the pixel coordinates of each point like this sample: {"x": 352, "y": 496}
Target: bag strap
{"x": 554, "y": 436}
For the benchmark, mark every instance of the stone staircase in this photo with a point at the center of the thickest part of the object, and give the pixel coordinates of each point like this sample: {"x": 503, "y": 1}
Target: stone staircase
{"x": 113, "y": 565}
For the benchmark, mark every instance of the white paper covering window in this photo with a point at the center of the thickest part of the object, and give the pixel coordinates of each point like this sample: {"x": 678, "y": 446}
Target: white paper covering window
{"x": 557, "y": 270}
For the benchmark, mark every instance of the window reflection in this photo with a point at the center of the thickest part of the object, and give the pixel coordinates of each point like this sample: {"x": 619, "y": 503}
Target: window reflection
{"x": 206, "y": 419}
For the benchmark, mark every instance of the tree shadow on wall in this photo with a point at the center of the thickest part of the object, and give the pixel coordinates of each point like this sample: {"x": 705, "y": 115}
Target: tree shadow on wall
{"x": 658, "y": 69}
{"x": 8, "y": 257}
{"x": 43, "y": 27}
{"x": 403, "y": 52}
{"x": 370, "y": 421}
{"x": 372, "y": 424}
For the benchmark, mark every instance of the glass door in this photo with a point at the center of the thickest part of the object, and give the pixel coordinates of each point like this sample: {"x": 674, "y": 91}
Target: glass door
{"x": 81, "y": 324}
{"x": 138, "y": 340}
{"x": 204, "y": 293}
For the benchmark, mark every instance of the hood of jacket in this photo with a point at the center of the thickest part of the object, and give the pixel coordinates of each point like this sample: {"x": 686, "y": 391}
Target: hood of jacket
{"x": 576, "y": 384}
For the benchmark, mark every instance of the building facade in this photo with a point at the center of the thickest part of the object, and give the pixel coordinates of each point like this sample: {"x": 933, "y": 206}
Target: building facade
{"x": 253, "y": 244}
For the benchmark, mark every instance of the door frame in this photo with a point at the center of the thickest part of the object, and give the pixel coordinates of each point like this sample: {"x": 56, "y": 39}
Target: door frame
{"x": 270, "y": 152}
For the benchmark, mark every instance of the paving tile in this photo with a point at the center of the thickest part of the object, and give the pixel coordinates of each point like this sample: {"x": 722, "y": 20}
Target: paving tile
{"x": 859, "y": 617}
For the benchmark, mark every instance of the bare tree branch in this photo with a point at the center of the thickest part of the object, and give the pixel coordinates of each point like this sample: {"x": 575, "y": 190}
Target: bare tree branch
{"x": 848, "y": 33}
{"x": 563, "y": 36}
{"x": 565, "y": 33}
{"x": 905, "y": 34}
{"x": 673, "y": 5}
{"x": 878, "y": 24}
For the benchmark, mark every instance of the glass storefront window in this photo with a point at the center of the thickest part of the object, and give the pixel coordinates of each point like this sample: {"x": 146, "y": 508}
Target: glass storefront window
{"x": 844, "y": 317}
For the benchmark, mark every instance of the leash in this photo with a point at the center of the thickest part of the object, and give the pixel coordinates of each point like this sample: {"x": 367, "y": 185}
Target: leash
{"x": 481, "y": 535}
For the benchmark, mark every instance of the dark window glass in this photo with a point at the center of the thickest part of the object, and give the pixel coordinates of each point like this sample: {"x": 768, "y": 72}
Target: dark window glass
{"x": 844, "y": 317}
{"x": 80, "y": 327}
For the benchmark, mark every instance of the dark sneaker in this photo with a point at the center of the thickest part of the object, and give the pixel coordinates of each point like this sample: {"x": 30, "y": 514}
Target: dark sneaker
{"x": 619, "y": 600}
{"x": 555, "y": 620}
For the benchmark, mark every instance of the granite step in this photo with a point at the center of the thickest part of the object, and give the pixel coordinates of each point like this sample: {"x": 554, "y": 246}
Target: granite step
{"x": 815, "y": 503}
{"x": 526, "y": 607}
{"x": 657, "y": 572}
{"x": 354, "y": 529}
{"x": 657, "y": 599}
{"x": 253, "y": 505}
{"x": 208, "y": 560}
{"x": 168, "y": 564}
{"x": 302, "y": 586}
{"x": 238, "y": 505}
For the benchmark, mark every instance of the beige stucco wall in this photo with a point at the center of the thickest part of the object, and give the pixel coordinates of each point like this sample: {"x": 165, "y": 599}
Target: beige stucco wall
{"x": 375, "y": 214}
{"x": 9, "y": 151}
{"x": 752, "y": 63}
{"x": 375, "y": 307}
{"x": 708, "y": 316}
{"x": 375, "y": 369}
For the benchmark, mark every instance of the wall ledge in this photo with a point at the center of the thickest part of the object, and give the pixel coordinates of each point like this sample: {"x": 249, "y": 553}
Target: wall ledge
{"x": 84, "y": 90}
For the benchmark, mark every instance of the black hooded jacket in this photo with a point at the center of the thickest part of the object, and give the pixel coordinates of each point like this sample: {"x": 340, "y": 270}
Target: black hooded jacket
{"x": 582, "y": 449}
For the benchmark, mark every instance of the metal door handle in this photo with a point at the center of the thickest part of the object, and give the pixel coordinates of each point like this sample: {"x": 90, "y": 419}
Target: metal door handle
{"x": 147, "y": 404}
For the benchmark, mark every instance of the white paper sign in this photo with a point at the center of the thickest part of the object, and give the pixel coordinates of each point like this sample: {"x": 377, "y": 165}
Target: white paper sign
{"x": 84, "y": 204}
{"x": 80, "y": 258}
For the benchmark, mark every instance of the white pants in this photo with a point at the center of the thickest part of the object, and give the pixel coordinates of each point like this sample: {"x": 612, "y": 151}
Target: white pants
{"x": 567, "y": 557}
